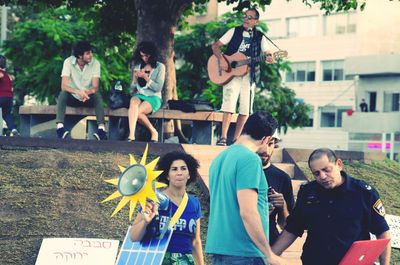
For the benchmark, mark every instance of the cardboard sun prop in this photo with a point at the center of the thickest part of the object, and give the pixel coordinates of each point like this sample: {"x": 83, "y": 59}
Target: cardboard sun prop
{"x": 136, "y": 183}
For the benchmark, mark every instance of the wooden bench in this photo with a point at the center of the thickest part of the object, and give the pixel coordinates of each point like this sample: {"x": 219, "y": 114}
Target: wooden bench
{"x": 202, "y": 122}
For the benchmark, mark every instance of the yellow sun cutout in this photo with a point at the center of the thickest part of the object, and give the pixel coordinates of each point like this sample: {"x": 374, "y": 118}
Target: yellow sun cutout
{"x": 142, "y": 192}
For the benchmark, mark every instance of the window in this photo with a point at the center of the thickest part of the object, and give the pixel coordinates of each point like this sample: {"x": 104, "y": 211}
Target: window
{"x": 392, "y": 102}
{"x": 396, "y": 102}
{"x": 274, "y": 28}
{"x": 332, "y": 116}
{"x": 302, "y": 26}
{"x": 332, "y": 70}
{"x": 327, "y": 119}
{"x": 337, "y": 24}
{"x": 301, "y": 72}
{"x": 310, "y": 118}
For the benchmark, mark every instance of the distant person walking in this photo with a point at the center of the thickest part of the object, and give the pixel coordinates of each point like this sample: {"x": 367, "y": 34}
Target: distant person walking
{"x": 6, "y": 97}
{"x": 363, "y": 106}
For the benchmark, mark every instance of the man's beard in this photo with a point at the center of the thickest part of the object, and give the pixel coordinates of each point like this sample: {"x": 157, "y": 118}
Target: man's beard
{"x": 265, "y": 160}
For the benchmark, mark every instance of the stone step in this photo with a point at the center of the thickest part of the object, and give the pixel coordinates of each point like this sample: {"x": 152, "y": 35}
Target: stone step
{"x": 287, "y": 167}
{"x": 206, "y": 153}
{"x": 293, "y": 253}
{"x": 296, "y": 186}
{"x": 277, "y": 156}
{"x": 209, "y": 152}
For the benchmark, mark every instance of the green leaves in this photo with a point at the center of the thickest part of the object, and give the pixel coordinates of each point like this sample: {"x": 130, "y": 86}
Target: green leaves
{"x": 40, "y": 44}
{"x": 193, "y": 49}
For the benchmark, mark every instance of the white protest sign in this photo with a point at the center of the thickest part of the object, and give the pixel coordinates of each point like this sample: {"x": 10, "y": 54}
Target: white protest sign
{"x": 393, "y": 222}
{"x": 77, "y": 251}
{"x": 394, "y": 225}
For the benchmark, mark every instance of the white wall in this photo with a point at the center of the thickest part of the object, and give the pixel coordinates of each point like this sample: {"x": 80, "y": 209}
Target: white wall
{"x": 377, "y": 33}
{"x": 309, "y": 138}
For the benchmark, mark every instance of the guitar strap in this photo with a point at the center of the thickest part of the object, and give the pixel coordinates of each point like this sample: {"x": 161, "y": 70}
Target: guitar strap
{"x": 174, "y": 219}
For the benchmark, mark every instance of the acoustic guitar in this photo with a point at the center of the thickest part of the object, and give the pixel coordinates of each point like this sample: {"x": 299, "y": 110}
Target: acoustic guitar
{"x": 238, "y": 65}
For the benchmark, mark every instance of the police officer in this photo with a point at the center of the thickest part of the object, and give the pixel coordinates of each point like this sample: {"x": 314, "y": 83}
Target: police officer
{"x": 337, "y": 210}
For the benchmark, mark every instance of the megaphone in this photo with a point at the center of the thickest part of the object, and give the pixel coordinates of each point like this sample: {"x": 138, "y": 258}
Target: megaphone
{"x": 133, "y": 180}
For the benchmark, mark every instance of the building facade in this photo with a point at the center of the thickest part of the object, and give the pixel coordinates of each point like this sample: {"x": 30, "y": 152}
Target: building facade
{"x": 338, "y": 60}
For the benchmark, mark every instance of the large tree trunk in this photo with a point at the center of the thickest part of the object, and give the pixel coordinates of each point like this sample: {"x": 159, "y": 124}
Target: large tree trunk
{"x": 157, "y": 20}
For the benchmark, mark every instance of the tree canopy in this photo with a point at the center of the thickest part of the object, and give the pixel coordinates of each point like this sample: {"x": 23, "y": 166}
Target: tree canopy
{"x": 115, "y": 22}
{"x": 40, "y": 44}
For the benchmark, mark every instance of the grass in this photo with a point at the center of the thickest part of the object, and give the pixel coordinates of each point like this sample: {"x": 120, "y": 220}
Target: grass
{"x": 52, "y": 193}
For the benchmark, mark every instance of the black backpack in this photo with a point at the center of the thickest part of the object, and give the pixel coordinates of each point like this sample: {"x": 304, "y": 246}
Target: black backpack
{"x": 190, "y": 105}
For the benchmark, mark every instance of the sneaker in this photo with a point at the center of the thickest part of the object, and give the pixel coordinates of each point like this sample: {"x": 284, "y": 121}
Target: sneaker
{"x": 14, "y": 132}
{"x": 62, "y": 133}
{"x": 100, "y": 134}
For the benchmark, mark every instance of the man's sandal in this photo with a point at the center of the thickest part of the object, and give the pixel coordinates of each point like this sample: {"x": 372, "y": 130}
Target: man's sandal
{"x": 221, "y": 142}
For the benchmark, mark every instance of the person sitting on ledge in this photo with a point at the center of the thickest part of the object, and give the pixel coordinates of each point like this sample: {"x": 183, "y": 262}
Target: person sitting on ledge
{"x": 147, "y": 81}
{"x": 80, "y": 88}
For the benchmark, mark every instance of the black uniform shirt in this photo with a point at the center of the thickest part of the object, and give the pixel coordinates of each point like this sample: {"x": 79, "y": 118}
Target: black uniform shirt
{"x": 335, "y": 218}
{"x": 281, "y": 183}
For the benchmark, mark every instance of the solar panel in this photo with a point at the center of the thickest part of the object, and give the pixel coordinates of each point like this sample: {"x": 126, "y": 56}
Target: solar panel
{"x": 149, "y": 251}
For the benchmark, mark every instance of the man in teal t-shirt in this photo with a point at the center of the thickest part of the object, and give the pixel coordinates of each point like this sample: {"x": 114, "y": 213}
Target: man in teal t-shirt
{"x": 238, "y": 223}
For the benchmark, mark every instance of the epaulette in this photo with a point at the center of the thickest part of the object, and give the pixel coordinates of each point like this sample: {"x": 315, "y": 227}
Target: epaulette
{"x": 363, "y": 184}
{"x": 307, "y": 184}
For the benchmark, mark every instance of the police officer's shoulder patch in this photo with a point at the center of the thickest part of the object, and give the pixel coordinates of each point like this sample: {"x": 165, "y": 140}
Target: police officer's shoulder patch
{"x": 378, "y": 207}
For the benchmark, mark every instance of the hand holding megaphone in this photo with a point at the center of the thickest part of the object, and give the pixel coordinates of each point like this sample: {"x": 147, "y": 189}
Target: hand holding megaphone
{"x": 150, "y": 211}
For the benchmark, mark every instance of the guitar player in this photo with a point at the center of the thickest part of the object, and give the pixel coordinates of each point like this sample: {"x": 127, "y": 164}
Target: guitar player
{"x": 249, "y": 41}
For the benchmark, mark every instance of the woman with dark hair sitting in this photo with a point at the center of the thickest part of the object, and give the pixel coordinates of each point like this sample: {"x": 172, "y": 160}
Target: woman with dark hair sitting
{"x": 147, "y": 81}
{"x": 179, "y": 169}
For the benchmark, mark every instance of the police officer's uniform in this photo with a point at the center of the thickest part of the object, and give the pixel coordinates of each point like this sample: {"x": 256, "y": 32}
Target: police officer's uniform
{"x": 335, "y": 218}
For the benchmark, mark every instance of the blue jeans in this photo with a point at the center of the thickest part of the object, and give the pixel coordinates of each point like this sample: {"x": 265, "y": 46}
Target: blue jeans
{"x": 6, "y": 104}
{"x": 236, "y": 260}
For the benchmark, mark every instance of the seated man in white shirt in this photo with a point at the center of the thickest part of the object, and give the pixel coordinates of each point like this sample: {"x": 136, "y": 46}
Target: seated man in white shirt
{"x": 80, "y": 88}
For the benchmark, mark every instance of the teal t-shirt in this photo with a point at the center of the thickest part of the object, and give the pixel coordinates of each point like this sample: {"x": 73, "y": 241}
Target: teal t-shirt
{"x": 236, "y": 168}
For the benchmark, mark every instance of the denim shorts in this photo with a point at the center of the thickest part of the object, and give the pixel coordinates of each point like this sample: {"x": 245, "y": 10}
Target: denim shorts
{"x": 236, "y": 260}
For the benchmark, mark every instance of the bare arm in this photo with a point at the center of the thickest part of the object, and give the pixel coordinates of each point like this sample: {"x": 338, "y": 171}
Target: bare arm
{"x": 278, "y": 200}
{"x": 216, "y": 49}
{"x": 95, "y": 86}
{"x": 384, "y": 258}
{"x": 284, "y": 241}
{"x": 247, "y": 199}
{"x": 66, "y": 87}
{"x": 197, "y": 246}
{"x": 138, "y": 227}
{"x": 282, "y": 216}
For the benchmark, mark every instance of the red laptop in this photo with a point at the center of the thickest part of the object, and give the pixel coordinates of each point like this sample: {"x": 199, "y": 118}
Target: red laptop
{"x": 364, "y": 252}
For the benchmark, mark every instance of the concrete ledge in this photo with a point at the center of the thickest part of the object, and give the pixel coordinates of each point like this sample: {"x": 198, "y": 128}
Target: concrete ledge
{"x": 301, "y": 155}
{"x": 123, "y": 112}
{"x": 27, "y": 143}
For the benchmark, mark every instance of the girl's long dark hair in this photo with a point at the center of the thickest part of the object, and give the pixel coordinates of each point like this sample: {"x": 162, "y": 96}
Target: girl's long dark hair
{"x": 146, "y": 47}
